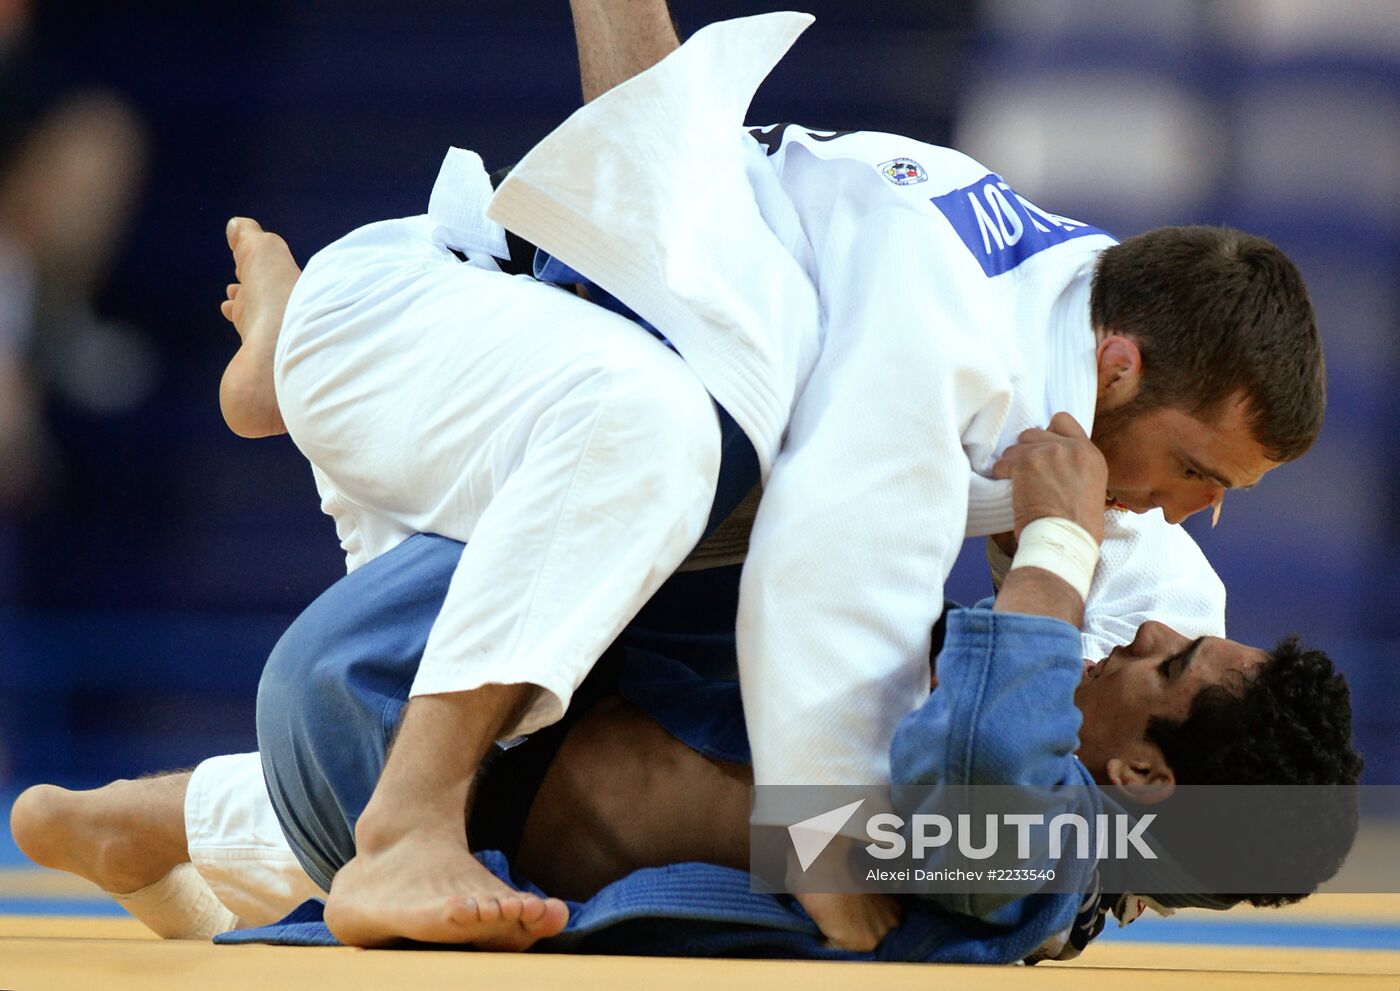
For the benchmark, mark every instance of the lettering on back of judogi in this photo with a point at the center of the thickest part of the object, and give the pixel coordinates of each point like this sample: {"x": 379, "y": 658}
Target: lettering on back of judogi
{"x": 1001, "y": 227}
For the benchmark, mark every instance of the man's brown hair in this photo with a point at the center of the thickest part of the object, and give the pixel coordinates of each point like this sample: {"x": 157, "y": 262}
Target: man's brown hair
{"x": 1217, "y": 312}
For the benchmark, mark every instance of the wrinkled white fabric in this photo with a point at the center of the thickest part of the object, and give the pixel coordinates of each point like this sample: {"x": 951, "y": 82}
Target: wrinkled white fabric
{"x": 573, "y": 452}
{"x": 878, "y": 363}
{"x": 236, "y": 844}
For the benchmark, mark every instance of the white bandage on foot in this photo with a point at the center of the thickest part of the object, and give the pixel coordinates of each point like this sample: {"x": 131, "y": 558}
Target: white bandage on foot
{"x": 179, "y": 906}
{"x": 1061, "y": 547}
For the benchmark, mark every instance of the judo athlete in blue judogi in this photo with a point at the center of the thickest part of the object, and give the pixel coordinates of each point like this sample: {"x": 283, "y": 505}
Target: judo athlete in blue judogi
{"x": 1013, "y": 702}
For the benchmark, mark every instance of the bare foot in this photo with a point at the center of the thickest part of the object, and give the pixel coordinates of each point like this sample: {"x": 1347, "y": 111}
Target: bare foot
{"x": 427, "y": 886}
{"x": 122, "y": 837}
{"x": 266, "y": 273}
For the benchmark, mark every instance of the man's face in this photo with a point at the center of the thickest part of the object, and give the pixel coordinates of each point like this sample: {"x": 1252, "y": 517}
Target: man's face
{"x": 1158, "y": 674}
{"x": 1168, "y": 458}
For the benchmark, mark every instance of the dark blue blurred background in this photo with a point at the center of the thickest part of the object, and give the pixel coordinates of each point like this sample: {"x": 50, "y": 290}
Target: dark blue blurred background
{"x": 156, "y": 558}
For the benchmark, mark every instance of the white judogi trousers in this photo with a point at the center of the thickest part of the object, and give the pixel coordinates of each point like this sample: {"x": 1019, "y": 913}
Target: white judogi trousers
{"x": 237, "y": 845}
{"x": 573, "y": 452}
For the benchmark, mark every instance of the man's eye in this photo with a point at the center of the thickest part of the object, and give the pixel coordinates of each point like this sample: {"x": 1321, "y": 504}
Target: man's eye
{"x": 1164, "y": 668}
{"x": 1192, "y": 473}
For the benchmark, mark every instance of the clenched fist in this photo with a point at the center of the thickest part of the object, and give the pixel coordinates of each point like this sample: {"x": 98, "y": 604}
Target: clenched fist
{"x": 1056, "y": 472}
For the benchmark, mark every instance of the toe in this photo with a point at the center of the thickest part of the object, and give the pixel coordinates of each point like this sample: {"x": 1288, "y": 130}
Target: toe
{"x": 244, "y": 235}
{"x": 531, "y": 911}
{"x": 464, "y": 912}
{"x": 239, "y": 228}
{"x": 511, "y": 908}
{"x": 232, "y": 290}
{"x": 551, "y": 921}
{"x": 488, "y": 911}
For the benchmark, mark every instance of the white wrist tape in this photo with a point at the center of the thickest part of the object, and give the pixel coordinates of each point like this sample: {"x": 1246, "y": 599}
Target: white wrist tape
{"x": 1061, "y": 547}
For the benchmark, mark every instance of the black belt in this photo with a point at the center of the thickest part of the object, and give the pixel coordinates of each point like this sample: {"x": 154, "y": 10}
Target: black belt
{"x": 522, "y": 252}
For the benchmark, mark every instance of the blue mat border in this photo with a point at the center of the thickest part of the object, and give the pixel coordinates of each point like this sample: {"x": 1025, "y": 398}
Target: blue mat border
{"x": 103, "y": 907}
{"x": 1292, "y": 935}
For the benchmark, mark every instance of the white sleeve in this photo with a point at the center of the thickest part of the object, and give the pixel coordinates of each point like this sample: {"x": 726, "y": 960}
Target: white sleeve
{"x": 863, "y": 514}
{"x": 1150, "y": 570}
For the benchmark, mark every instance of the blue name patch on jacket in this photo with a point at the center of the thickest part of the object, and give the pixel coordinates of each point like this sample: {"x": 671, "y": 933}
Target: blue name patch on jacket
{"x": 1001, "y": 227}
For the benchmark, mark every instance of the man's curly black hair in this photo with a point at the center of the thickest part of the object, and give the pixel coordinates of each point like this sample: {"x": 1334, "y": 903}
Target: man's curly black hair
{"x": 1289, "y": 724}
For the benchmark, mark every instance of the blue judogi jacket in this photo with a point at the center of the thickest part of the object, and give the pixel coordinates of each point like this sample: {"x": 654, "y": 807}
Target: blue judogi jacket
{"x": 1003, "y": 713}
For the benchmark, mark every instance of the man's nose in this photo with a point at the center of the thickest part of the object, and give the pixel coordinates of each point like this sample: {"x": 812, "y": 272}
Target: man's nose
{"x": 1151, "y": 637}
{"x": 1189, "y": 504}
{"x": 1142, "y": 640}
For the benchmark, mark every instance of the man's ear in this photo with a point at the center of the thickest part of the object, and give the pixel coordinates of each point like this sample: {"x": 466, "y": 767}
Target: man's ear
{"x": 1120, "y": 370}
{"x": 1144, "y": 778}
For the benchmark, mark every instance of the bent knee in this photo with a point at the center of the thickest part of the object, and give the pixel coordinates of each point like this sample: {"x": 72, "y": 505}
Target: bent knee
{"x": 303, "y": 693}
{"x": 297, "y": 687}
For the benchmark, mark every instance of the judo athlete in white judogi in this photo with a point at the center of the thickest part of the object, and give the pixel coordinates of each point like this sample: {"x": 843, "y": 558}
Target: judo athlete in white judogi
{"x": 879, "y": 318}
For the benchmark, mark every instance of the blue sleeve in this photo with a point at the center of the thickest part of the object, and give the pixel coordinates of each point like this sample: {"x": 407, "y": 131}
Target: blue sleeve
{"x": 1003, "y": 714}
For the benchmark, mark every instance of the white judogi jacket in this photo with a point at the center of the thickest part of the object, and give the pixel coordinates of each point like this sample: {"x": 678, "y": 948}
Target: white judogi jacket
{"x": 882, "y": 317}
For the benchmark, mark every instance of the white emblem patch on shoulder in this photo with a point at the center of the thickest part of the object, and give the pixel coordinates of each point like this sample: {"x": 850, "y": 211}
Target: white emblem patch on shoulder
{"x": 903, "y": 171}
